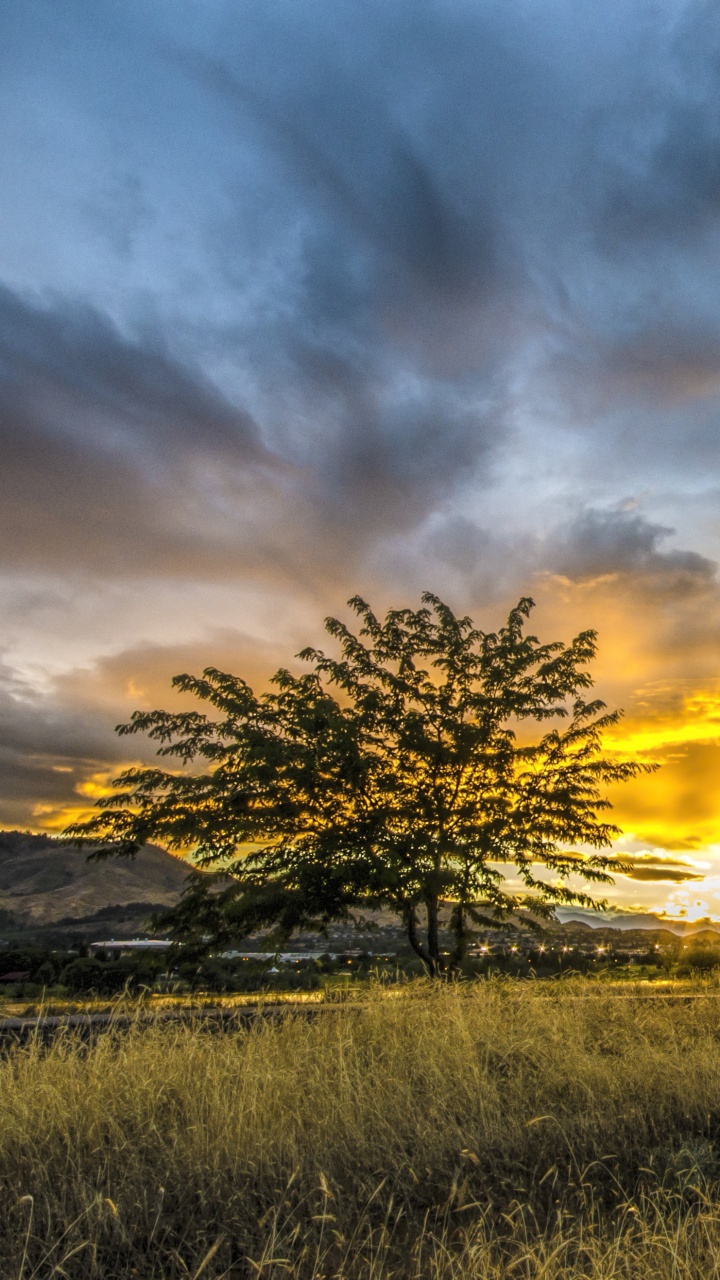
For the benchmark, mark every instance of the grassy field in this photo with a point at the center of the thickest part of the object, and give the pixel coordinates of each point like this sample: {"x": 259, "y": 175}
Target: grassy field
{"x": 530, "y": 1130}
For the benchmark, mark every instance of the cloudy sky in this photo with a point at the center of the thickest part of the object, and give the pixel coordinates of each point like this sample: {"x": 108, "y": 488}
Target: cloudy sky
{"x": 302, "y": 299}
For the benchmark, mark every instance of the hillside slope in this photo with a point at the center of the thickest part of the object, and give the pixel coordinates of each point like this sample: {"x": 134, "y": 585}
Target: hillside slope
{"x": 42, "y": 881}
{"x": 633, "y": 920}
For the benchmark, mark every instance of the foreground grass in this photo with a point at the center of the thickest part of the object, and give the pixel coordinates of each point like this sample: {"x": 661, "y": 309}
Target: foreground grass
{"x": 148, "y": 1003}
{"x": 496, "y": 1130}
{"x": 342, "y": 988}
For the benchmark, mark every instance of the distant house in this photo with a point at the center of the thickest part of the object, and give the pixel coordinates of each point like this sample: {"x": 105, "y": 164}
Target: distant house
{"x": 129, "y": 946}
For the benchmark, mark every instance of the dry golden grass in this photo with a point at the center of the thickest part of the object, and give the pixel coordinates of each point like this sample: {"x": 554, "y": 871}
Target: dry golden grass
{"x": 529, "y": 1130}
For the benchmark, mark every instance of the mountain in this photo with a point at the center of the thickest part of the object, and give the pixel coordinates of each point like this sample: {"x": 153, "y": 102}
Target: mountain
{"x": 43, "y": 881}
{"x": 634, "y": 920}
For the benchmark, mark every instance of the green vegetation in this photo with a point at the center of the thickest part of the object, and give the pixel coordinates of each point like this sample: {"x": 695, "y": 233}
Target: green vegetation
{"x": 485, "y": 1130}
{"x": 32, "y": 972}
{"x": 393, "y": 775}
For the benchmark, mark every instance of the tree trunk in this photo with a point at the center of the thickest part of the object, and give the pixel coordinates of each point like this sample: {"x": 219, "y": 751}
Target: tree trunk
{"x": 433, "y": 939}
{"x": 413, "y": 939}
{"x": 460, "y": 949}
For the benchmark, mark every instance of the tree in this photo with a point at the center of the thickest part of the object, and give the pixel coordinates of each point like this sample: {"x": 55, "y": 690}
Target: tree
{"x": 396, "y": 774}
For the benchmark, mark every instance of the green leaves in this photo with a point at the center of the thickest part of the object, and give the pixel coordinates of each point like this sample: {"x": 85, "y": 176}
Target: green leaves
{"x": 387, "y": 774}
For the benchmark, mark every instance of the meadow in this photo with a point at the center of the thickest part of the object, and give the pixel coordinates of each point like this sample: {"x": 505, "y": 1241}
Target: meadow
{"x": 489, "y": 1129}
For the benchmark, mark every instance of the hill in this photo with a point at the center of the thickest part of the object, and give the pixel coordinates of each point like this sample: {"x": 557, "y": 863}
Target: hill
{"x": 634, "y": 920}
{"x": 43, "y": 882}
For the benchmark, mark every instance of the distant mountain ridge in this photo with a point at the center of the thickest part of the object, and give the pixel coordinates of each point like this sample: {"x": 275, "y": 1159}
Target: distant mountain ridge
{"x": 44, "y": 882}
{"x": 635, "y": 920}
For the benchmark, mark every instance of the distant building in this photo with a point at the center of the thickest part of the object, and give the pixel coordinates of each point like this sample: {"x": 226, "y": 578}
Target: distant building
{"x": 128, "y": 946}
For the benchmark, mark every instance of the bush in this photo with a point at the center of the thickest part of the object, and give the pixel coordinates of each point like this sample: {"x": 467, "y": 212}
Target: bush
{"x": 699, "y": 959}
{"x": 87, "y": 975}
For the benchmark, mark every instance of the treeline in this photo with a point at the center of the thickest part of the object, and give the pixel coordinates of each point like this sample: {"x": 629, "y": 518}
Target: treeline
{"x": 34, "y": 971}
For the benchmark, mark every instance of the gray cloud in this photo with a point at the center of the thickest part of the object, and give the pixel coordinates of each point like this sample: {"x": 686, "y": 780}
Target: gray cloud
{"x": 120, "y": 458}
{"x": 385, "y": 266}
{"x": 343, "y": 144}
{"x": 46, "y": 748}
{"x": 624, "y": 542}
{"x": 74, "y": 371}
{"x": 116, "y": 456}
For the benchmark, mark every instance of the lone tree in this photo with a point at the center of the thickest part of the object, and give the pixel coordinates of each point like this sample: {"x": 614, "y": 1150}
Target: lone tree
{"x": 397, "y": 774}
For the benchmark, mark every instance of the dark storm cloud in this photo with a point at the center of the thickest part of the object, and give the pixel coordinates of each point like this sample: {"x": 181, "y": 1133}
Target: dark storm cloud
{"x": 341, "y": 144}
{"x": 397, "y": 457}
{"x": 36, "y": 728}
{"x": 107, "y": 441}
{"x": 660, "y": 139}
{"x": 397, "y": 204}
{"x": 66, "y": 366}
{"x": 46, "y": 748}
{"x": 508, "y": 182}
{"x": 676, "y": 192}
{"x": 405, "y": 294}
{"x": 119, "y": 457}
{"x": 625, "y": 543}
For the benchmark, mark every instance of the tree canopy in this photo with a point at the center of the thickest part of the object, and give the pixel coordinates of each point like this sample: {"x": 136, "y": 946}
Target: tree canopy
{"x": 398, "y": 773}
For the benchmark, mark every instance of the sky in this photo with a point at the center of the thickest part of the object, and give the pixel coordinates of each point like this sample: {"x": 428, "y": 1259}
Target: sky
{"x": 301, "y": 300}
